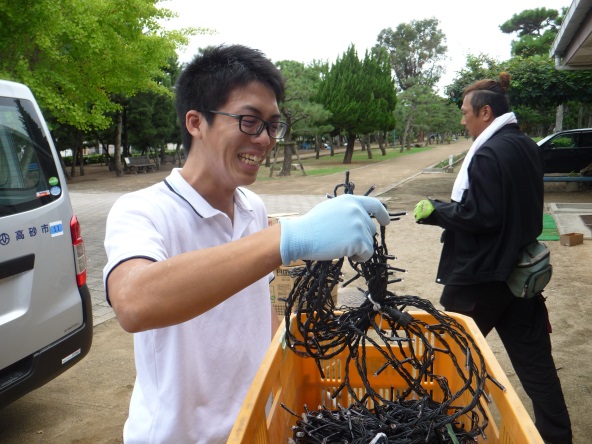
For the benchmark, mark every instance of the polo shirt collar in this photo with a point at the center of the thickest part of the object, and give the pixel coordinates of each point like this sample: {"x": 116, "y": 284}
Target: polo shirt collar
{"x": 180, "y": 186}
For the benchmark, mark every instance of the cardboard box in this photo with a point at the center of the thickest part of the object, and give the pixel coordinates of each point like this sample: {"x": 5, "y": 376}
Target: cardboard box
{"x": 281, "y": 286}
{"x": 571, "y": 239}
{"x": 273, "y": 218}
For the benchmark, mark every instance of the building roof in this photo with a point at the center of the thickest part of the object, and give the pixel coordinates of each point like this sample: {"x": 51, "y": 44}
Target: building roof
{"x": 572, "y": 48}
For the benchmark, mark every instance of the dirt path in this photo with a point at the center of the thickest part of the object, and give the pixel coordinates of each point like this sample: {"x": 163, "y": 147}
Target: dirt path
{"x": 88, "y": 404}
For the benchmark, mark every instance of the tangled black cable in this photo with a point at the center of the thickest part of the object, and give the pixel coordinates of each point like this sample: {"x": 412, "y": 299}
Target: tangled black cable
{"x": 410, "y": 347}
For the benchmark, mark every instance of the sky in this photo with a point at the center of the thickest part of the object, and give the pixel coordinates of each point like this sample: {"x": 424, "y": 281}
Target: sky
{"x": 308, "y": 30}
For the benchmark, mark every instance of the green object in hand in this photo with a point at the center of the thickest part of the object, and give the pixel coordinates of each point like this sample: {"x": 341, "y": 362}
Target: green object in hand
{"x": 423, "y": 209}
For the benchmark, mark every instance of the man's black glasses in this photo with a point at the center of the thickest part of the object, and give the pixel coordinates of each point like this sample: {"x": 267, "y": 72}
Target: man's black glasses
{"x": 253, "y": 126}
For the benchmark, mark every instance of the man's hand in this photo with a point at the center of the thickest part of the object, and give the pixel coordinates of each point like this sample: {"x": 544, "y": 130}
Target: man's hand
{"x": 332, "y": 229}
{"x": 423, "y": 210}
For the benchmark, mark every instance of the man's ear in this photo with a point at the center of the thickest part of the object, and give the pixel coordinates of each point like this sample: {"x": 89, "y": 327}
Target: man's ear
{"x": 487, "y": 113}
{"x": 194, "y": 122}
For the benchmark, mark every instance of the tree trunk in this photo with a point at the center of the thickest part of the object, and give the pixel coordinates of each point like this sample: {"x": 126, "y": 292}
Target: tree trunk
{"x": 80, "y": 143}
{"x": 287, "y": 163}
{"x": 74, "y": 158}
{"x": 380, "y": 137}
{"x": 105, "y": 149}
{"x": 162, "y": 154}
{"x": 178, "y": 153}
{"x": 156, "y": 157}
{"x": 317, "y": 146}
{"x": 406, "y": 134}
{"x": 124, "y": 133}
{"x": 64, "y": 169}
{"x": 118, "y": 166}
{"x": 98, "y": 151}
{"x": 559, "y": 118}
{"x": 349, "y": 150}
{"x": 367, "y": 137}
{"x": 275, "y": 154}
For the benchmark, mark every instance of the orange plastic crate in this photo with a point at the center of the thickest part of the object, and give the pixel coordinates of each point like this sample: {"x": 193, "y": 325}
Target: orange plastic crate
{"x": 286, "y": 378}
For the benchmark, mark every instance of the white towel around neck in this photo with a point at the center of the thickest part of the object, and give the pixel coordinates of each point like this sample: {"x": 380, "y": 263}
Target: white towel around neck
{"x": 462, "y": 180}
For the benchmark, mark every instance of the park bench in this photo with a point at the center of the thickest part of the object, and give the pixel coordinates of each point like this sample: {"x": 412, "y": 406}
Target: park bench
{"x": 139, "y": 164}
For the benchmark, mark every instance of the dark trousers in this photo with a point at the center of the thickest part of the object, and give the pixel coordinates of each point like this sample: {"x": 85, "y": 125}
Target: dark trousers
{"x": 523, "y": 326}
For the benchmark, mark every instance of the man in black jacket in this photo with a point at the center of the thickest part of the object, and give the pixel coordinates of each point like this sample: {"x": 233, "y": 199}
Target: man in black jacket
{"x": 495, "y": 211}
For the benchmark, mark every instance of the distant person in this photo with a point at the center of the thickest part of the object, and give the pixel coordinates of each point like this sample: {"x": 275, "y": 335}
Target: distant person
{"x": 495, "y": 211}
{"x": 190, "y": 258}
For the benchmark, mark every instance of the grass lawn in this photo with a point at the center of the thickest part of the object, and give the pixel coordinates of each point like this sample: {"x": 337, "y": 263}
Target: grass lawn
{"x": 326, "y": 164}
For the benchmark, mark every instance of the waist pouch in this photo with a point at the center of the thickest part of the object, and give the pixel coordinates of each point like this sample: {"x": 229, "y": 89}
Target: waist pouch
{"x": 533, "y": 271}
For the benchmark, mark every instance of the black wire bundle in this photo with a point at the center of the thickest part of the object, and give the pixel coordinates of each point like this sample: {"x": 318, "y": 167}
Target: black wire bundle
{"x": 409, "y": 346}
{"x": 394, "y": 423}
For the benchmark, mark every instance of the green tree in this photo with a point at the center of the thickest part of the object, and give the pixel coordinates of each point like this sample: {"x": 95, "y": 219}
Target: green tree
{"x": 413, "y": 111}
{"x": 317, "y": 128}
{"x": 360, "y": 95}
{"x": 381, "y": 116}
{"x": 150, "y": 120}
{"x": 537, "y": 88}
{"x": 300, "y": 111}
{"x": 76, "y": 54}
{"x": 537, "y": 85}
{"x": 68, "y": 137}
{"x": 536, "y": 30}
{"x": 567, "y": 91}
{"x": 416, "y": 51}
{"x": 477, "y": 67}
{"x": 443, "y": 120}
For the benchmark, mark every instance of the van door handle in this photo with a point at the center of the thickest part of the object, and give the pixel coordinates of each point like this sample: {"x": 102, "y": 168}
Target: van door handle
{"x": 16, "y": 266}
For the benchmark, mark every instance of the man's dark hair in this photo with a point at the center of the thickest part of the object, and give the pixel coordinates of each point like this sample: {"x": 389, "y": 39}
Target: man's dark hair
{"x": 209, "y": 79}
{"x": 492, "y": 93}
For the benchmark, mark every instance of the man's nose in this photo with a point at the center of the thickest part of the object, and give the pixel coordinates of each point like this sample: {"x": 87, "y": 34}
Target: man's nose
{"x": 263, "y": 137}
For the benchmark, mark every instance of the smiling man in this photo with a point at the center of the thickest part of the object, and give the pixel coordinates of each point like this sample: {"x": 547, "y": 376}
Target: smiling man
{"x": 190, "y": 259}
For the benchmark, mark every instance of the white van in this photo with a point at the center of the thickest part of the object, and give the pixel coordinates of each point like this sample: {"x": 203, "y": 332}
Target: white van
{"x": 45, "y": 305}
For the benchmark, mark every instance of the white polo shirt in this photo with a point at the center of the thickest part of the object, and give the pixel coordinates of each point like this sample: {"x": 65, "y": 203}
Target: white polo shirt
{"x": 191, "y": 378}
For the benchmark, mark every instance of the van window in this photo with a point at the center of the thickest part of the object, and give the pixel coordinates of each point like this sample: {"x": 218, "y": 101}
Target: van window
{"x": 28, "y": 175}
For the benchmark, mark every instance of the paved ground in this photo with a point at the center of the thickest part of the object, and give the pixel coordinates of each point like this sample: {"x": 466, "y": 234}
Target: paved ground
{"x": 88, "y": 404}
{"x": 93, "y": 195}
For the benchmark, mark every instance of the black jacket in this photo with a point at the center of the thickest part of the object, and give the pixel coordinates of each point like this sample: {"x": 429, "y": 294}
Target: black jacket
{"x": 500, "y": 213}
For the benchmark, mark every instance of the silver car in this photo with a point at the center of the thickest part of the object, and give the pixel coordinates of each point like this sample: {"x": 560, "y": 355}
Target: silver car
{"x": 45, "y": 306}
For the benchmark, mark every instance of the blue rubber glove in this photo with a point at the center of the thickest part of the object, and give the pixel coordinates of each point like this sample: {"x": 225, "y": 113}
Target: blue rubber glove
{"x": 423, "y": 209}
{"x": 338, "y": 227}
